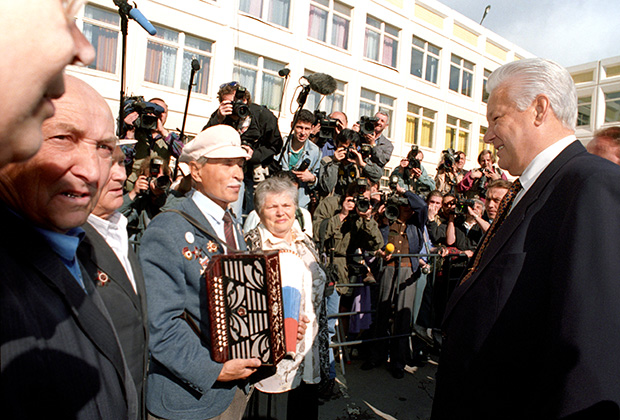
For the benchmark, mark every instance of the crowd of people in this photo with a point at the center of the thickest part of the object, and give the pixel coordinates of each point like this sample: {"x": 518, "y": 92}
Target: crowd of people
{"x": 105, "y": 313}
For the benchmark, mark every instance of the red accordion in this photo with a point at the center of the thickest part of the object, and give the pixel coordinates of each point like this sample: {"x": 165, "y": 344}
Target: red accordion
{"x": 245, "y": 307}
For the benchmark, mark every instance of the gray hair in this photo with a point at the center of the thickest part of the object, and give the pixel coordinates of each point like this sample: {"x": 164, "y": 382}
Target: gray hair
{"x": 531, "y": 77}
{"x": 274, "y": 185}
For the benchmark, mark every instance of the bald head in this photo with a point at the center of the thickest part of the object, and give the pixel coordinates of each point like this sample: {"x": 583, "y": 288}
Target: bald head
{"x": 58, "y": 187}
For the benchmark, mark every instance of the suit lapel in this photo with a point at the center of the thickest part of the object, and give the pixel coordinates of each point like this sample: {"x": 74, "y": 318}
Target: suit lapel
{"x": 107, "y": 262}
{"x": 513, "y": 221}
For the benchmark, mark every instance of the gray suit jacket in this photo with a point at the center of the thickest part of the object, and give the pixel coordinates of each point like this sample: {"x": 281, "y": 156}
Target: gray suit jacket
{"x": 59, "y": 351}
{"x": 126, "y": 307}
{"x": 534, "y": 331}
{"x": 182, "y": 379}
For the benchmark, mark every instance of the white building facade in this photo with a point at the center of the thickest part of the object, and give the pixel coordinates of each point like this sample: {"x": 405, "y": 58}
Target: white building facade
{"x": 420, "y": 61}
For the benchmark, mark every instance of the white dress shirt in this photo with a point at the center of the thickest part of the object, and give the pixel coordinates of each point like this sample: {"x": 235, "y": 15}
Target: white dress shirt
{"x": 114, "y": 231}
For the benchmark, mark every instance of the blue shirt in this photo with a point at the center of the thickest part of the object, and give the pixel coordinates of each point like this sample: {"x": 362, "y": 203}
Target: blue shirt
{"x": 65, "y": 245}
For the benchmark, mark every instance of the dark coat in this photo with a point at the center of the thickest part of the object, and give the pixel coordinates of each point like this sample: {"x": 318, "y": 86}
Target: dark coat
{"x": 534, "y": 332}
{"x": 126, "y": 307}
{"x": 60, "y": 354}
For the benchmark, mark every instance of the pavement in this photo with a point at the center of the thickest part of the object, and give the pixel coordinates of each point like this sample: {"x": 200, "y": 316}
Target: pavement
{"x": 375, "y": 394}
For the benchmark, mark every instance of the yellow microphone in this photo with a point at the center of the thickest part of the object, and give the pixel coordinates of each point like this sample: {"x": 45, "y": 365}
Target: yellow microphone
{"x": 389, "y": 248}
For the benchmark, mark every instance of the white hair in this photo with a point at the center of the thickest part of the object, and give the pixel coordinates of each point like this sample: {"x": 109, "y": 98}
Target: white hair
{"x": 530, "y": 77}
{"x": 274, "y": 185}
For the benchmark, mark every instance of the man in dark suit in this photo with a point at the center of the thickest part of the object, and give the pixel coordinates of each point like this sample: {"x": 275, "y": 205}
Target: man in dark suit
{"x": 184, "y": 382}
{"x": 532, "y": 330}
{"x": 60, "y": 354}
{"x": 115, "y": 270}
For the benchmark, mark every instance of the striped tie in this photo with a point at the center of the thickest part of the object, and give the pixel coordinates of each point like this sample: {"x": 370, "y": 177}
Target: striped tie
{"x": 229, "y": 231}
{"x": 502, "y": 212}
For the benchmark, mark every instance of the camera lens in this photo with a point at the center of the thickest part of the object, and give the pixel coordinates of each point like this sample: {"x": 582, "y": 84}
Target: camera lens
{"x": 363, "y": 204}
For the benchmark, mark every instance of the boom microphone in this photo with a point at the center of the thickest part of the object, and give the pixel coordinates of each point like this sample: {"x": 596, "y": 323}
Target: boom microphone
{"x": 322, "y": 83}
{"x": 137, "y": 15}
{"x": 284, "y": 72}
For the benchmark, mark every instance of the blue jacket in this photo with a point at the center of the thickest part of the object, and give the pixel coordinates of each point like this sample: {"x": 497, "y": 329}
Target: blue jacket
{"x": 181, "y": 382}
{"x": 415, "y": 227}
{"x": 310, "y": 151}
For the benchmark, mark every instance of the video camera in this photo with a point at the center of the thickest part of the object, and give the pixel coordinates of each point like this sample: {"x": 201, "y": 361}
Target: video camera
{"x": 449, "y": 158}
{"x": 148, "y": 114}
{"x": 461, "y": 207}
{"x": 367, "y": 124}
{"x": 328, "y": 127}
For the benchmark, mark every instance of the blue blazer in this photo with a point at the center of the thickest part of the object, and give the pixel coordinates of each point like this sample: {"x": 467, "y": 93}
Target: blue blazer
{"x": 182, "y": 379}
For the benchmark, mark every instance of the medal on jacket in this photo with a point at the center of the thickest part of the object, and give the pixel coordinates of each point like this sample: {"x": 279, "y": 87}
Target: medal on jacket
{"x": 102, "y": 278}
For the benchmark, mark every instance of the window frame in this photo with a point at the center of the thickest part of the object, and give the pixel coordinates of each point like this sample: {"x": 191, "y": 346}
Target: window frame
{"x": 82, "y": 20}
{"x": 379, "y": 103}
{"x": 332, "y": 13}
{"x": 426, "y": 53}
{"x": 462, "y": 88}
{"x": 261, "y": 72}
{"x": 264, "y": 14}
{"x": 418, "y": 127}
{"x": 458, "y": 127}
{"x": 383, "y": 33}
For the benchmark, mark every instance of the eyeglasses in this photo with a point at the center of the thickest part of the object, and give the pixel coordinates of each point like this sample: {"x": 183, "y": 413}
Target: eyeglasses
{"x": 231, "y": 84}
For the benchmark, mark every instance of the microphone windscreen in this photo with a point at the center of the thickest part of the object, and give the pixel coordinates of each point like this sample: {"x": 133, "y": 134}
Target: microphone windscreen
{"x": 144, "y": 22}
{"x": 322, "y": 83}
{"x": 195, "y": 64}
{"x": 284, "y": 72}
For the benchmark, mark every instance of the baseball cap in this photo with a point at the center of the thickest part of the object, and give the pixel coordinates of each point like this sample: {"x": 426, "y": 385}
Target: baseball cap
{"x": 218, "y": 141}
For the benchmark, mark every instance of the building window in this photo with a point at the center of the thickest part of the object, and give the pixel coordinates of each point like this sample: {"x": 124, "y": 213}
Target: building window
{"x": 373, "y": 102}
{"x": 381, "y": 42}
{"x": 420, "y": 126}
{"x": 424, "y": 60}
{"x": 385, "y": 179}
{"x": 329, "y": 103}
{"x": 457, "y": 134}
{"x": 461, "y": 75}
{"x": 485, "y": 79}
{"x": 163, "y": 62}
{"x": 584, "y": 111}
{"x": 274, "y": 11}
{"x": 101, "y": 28}
{"x": 612, "y": 107}
{"x": 260, "y": 76}
{"x": 330, "y": 20}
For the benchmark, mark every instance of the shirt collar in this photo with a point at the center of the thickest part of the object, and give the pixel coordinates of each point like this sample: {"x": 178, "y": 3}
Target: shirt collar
{"x": 64, "y": 244}
{"x": 542, "y": 160}
{"x": 274, "y": 241}
{"x": 115, "y": 222}
{"x": 208, "y": 207}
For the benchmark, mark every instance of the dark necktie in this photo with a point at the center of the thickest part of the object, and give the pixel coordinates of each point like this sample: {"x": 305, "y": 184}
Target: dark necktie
{"x": 229, "y": 231}
{"x": 502, "y": 212}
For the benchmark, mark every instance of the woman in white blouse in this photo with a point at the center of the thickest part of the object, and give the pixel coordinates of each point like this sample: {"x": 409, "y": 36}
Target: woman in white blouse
{"x": 275, "y": 201}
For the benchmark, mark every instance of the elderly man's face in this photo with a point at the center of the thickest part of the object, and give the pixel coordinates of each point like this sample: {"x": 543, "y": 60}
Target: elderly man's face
{"x": 39, "y": 38}
{"x": 111, "y": 197}
{"x": 59, "y": 186}
{"x": 219, "y": 179}
{"x": 278, "y": 214}
{"x": 509, "y": 131}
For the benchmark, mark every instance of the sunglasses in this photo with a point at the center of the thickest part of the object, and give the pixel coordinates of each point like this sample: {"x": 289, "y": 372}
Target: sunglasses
{"x": 231, "y": 84}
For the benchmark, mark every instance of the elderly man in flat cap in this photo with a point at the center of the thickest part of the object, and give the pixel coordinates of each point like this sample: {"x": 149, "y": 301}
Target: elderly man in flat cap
{"x": 184, "y": 382}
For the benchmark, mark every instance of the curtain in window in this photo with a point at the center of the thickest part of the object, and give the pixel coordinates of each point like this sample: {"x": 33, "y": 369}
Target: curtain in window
{"x": 432, "y": 67}
{"x": 367, "y": 109}
{"x": 467, "y": 82}
{"x": 253, "y": 7}
{"x": 201, "y": 78}
{"x": 451, "y": 138}
{"x": 371, "y": 45}
{"x": 426, "y": 139}
{"x": 272, "y": 91}
{"x": 278, "y": 12}
{"x": 246, "y": 78}
{"x": 340, "y": 32}
{"x": 411, "y": 129}
{"x": 417, "y": 61}
{"x": 317, "y": 24}
{"x": 160, "y": 64}
{"x": 105, "y": 42}
{"x": 463, "y": 140}
{"x": 390, "y": 46}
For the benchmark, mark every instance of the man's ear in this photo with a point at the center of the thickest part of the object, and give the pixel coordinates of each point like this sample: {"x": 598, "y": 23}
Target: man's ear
{"x": 542, "y": 106}
{"x": 194, "y": 168}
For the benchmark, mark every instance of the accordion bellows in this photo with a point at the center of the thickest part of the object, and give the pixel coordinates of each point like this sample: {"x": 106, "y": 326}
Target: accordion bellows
{"x": 245, "y": 307}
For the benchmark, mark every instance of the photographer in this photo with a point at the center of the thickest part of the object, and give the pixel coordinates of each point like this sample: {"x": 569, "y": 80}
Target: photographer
{"x": 412, "y": 175}
{"x": 407, "y": 214}
{"x": 474, "y": 184}
{"x": 328, "y": 148}
{"x": 450, "y": 171}
{"x": 302, "y": 157}
{"x": 147, "y": 197}
{"x": 144, "y": 121}
{"x": 371, "y": 129}
{"x": 350, "y": 161}
{"x": 259, "y": 132}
